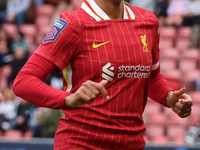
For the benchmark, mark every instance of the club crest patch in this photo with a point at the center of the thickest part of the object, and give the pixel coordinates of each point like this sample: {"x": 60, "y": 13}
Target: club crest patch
{"x": 56, "y": 29}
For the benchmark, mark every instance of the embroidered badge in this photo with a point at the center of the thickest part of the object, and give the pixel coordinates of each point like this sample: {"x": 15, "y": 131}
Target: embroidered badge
{"x": 56, "y": 29}
{"x": 144, "y": 42}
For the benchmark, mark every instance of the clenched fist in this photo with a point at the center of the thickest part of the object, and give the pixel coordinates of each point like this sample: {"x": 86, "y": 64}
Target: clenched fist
{"x": 180, "y": 102}
{"x": 86, "y": 93}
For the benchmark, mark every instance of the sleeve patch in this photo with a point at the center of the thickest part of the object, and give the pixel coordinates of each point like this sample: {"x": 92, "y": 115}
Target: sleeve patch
{"x": 55, "y": 31}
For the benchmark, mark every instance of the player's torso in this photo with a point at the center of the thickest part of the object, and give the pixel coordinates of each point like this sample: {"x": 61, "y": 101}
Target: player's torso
{"x": 121, "y": 52}
{"x": 117, "y": 51}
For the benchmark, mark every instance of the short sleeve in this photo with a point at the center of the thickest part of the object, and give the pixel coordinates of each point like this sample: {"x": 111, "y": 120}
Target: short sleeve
{"x": 61, "y": 44}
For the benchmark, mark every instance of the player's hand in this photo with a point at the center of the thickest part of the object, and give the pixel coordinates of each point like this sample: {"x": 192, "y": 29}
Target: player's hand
{"x": 180, "y": 102}
{"x": 87, "y": 93}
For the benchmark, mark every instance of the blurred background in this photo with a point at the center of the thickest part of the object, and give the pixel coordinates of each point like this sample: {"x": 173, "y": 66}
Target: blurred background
{"x": 24, "y": 24}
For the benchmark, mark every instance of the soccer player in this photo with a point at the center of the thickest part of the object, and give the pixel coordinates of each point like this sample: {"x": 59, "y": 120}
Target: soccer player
{"x": 109, "y": 56}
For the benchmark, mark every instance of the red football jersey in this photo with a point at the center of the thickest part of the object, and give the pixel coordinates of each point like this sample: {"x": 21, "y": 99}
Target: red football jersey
{"x": 87, "y": 45}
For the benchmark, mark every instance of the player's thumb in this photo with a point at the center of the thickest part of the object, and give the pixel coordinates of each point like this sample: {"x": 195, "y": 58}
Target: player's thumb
{"x": 104, "y": 92}
{"x": 180, "y": 92}
{"x": 104, "y": 82}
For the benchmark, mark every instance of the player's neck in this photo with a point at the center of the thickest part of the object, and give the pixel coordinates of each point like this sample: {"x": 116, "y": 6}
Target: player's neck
{"x": 113, "y": 8}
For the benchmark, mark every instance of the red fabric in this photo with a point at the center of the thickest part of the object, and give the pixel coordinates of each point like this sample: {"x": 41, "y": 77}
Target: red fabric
{"x": 30, "y": 86}
{"x": 125, "y": 60}
{"x": 159, "y": 87}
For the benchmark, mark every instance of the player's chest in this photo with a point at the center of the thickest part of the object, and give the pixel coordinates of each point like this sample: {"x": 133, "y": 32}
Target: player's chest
{"x": 117, "y": 42}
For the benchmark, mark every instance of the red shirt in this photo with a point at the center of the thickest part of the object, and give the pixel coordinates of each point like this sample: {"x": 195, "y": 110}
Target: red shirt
{"x": 87, "y": 45}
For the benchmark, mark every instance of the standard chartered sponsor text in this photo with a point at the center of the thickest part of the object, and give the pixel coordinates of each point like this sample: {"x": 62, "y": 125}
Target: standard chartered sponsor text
{"x": 133, "y": 71}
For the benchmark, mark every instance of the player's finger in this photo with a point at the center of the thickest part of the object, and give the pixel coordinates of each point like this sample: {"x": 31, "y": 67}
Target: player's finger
{"x": 101, "y": 88}
{"x": 88, "y": 93}
{"x": 186, "y": 102}
{"x": 104, "y": 82}
{"x": 185, "y": 115}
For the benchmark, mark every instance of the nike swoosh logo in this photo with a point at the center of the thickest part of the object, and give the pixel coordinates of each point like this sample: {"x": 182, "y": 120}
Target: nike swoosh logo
{"x": 98, "y": 45}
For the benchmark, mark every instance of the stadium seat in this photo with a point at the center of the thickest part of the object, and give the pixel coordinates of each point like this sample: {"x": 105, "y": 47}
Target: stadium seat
{"x": 155, "y": 130}
{"x": 176, "y": 126}
{"x": 174, "y": 78}
{"x": 152, "y": 107}
{"x": 168, "y": 111}
{"x": 29, "y": 29}
{"x": 156, "y": 125}
{"x": 195, "y": 95}
{"x": 11, "y": 29}
{"x": 174, "y": 131}
{"x": 185, "y": 32}
{"x": 13, "y": 135}
{"x": 166, "y": 43}
{"x": 158, "y": 118}
{"x": 169, "y": 53}
{"x": 190, "y": 78}
{"x": 186, "y": 65}
{"x": 173, "y": 74}
{"x": 30, "y": 33}
{"x": 178, "y": 140}
{"x": 174, "y": 119}
{"x": 43, "y": 30}
{"x": 192, "y": 53}
{"x": 168, "y": 32}
{"x": 160, "y": 140}
{"x": 41, "y": 21}
{"x": 182, "y": 43}
{"x": 45, "y": 10}
{"x": 194, "y": 118}
{"x": 6, "y": 71}
{"x": 167, "y": 64}
{"x": 28, "y": 135}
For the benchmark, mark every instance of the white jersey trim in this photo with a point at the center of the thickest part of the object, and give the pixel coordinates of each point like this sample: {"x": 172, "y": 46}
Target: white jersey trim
{"x": 101, "y": 13}
{"x": 155, "y": 66}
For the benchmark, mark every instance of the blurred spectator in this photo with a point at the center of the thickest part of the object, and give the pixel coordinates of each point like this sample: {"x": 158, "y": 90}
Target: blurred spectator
{"x": 23, "y": 116}
{"x": 17, "y": 63}
{"x": 175, "y": 12}
{"x": 192, "y": 18}
{"x": 76, "y": 3}
{"x": 26, "y": 118}
{"x": 192, "y": 135}
{"x": 48, "y": 119}
{"x": 56, "y": 80}
{"x": 8, "y": 109}
{"x": 192, "y": 15}
{"x": 61, "y": 6}
{"x": 4, "y": 37}
{"x": 38, "y": 2}
{"x": 16, "y": 11}
{"x": 2, "y": 8}
{"x": 161, "y": 11}
{"x": 5, "y": 56}
{"x": 19, "y": 42}
{"x": 146, "y": 4}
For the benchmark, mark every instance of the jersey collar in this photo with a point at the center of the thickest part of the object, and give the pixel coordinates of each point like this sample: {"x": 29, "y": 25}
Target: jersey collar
{"x": 98, "y": 14}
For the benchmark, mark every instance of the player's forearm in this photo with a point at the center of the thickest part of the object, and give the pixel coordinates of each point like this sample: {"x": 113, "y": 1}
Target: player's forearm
{"x": 38, "y": 93}
{"x": 30, "y": 86}
{"x": 159, "y": 89}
